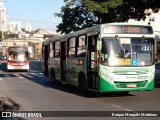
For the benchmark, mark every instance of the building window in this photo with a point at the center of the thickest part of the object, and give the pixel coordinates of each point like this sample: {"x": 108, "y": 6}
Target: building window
{"x": 57, "y": 49}
{"x": 151, "y": 19}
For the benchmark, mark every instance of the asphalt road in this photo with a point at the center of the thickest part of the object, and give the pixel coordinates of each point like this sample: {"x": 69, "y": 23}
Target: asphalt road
{"x": 31, "y": 91}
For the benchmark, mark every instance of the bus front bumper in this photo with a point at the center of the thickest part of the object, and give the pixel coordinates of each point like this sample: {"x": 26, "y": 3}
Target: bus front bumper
{"x": 106, "y": 86}
{"x": 10, "y": 67}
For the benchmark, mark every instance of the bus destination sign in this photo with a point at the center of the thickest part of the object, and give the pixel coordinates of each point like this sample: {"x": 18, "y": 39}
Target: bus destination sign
{"x": 17, "y": 49}
{"x": 127, "y": 29}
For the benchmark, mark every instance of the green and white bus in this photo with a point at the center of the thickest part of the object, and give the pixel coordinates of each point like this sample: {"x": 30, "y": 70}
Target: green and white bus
{"x": 111, "y": 57}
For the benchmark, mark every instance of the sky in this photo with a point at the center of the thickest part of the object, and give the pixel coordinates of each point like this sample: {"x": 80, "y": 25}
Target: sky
{"x": 39, "y": 13}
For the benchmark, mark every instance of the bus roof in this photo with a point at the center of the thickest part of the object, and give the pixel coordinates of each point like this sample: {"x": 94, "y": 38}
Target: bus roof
{"x": 89, "y": 30}
{"x": 129, "y": 23}
{"x": 70, "y": 35}
{"x": 17, "y": 46}
{"x": 10, "y": 48}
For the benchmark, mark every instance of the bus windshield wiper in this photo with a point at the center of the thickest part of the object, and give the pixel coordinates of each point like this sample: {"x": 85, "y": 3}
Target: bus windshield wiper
{"x": 121, "y": 46}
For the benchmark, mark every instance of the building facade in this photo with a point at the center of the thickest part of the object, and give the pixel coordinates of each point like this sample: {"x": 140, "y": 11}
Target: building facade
{"x": 29, "y": 27}
{"x": 15, "y": 27}
{"x": 3, "y": 17}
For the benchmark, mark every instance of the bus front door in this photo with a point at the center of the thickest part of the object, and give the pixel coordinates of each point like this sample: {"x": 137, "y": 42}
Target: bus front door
{"x": 92, "y": 63}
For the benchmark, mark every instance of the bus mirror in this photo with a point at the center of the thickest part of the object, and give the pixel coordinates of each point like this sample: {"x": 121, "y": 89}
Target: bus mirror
{"x": 99, "y": 45}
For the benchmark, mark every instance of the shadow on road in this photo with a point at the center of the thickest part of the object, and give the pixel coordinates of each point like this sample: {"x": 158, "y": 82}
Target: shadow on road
{"x": 3, "y": 67}
{"x": 8, "y": 105}
{"x": 74, "y": 90}
{"x": 35, "y": 67}
{"x": 157, "y": 84}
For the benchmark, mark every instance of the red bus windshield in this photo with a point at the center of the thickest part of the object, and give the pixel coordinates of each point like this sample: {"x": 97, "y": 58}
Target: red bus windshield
{"x": 17, "y": 54}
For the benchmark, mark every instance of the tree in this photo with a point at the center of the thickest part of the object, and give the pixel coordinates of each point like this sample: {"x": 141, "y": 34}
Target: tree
{"x": 105, "y": 10}
{"x": 5, "y": 35}
{"x": 121, "y": 10}
{"x": 75, "y": 17}
{"x": 79, "y": 14}
{"x": 135, "y": 9}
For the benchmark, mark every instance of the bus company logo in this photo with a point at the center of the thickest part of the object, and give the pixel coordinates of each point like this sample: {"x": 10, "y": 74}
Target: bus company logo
{"x": 130, "y": 77}
{"x": 21, "y": 114}
{"x": 6, "y": 114}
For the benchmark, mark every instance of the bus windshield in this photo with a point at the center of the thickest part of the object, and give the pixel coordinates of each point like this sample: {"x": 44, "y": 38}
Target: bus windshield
{"x": 16, "y": 56}
{"x": 127, "y": 51}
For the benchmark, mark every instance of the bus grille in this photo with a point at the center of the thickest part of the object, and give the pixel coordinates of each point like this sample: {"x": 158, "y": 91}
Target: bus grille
{"x": 131, "y": 84}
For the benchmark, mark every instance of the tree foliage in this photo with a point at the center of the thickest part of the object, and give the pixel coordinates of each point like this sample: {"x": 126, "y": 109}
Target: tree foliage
{"x": 75, "y": 17}
{"x": 80, "y": 14}
{"x": 135, "y": 9}
{"x": 5, "y": 35}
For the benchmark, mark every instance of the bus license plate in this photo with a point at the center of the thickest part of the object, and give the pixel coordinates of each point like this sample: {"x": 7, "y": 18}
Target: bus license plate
{"x": 131, "y": 85}
{"x": 17, "y": 67}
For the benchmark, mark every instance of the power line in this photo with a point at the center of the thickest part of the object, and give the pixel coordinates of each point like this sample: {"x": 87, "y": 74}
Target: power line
{"x": 37, "y": 21}
{"x": 3, "y": 1}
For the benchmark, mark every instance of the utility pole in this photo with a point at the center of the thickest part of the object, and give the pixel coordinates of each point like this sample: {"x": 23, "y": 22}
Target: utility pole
{"x": 2, "y": 25}
{"x": 2, "y": 35}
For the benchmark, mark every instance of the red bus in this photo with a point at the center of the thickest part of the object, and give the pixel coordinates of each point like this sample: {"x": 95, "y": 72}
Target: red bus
{"x": 17, "y": 58}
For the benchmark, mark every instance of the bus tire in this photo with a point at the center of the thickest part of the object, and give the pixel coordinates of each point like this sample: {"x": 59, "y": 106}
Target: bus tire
{"x": 53, "y": 78}
{"x": 82, "y": 85}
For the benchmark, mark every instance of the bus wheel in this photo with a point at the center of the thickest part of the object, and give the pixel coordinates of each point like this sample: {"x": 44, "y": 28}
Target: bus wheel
{"x": 53, "y": 77}
{"x": 82, "y": 84}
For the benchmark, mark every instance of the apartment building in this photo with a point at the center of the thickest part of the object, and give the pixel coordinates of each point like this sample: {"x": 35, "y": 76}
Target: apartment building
{"x": 3, "y": 17}
{"x": 14, "y": 27}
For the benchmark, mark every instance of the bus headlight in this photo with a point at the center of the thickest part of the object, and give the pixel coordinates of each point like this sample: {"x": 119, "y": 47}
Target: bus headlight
{"x": 151, "y": 76}
{"x": 106, "y": 77}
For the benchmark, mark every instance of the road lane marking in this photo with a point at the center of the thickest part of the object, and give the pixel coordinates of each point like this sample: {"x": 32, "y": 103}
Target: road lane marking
{"x": 29, "y": 76}
{"x": 40, "y": 73}
{"x": 20, "y": 77}
{"x": 17, "y": 74}
{"x": 6, "y": 75}
{"x": 126, "y": 109}
{"x": 36, "y": 74}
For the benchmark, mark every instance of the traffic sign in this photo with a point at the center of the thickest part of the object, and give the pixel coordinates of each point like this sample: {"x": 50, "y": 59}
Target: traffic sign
{"x": 134, "y": 62}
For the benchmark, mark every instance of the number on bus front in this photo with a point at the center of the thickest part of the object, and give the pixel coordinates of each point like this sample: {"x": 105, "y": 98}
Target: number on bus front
{"x": 142, "y": 77}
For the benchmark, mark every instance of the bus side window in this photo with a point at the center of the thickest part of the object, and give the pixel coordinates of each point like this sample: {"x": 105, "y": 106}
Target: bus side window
{"x": 71, "y": 48}
{"x": 51, "y": 52}
{"x": 81, "y": 48}
{"x": 57, "y": 49}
